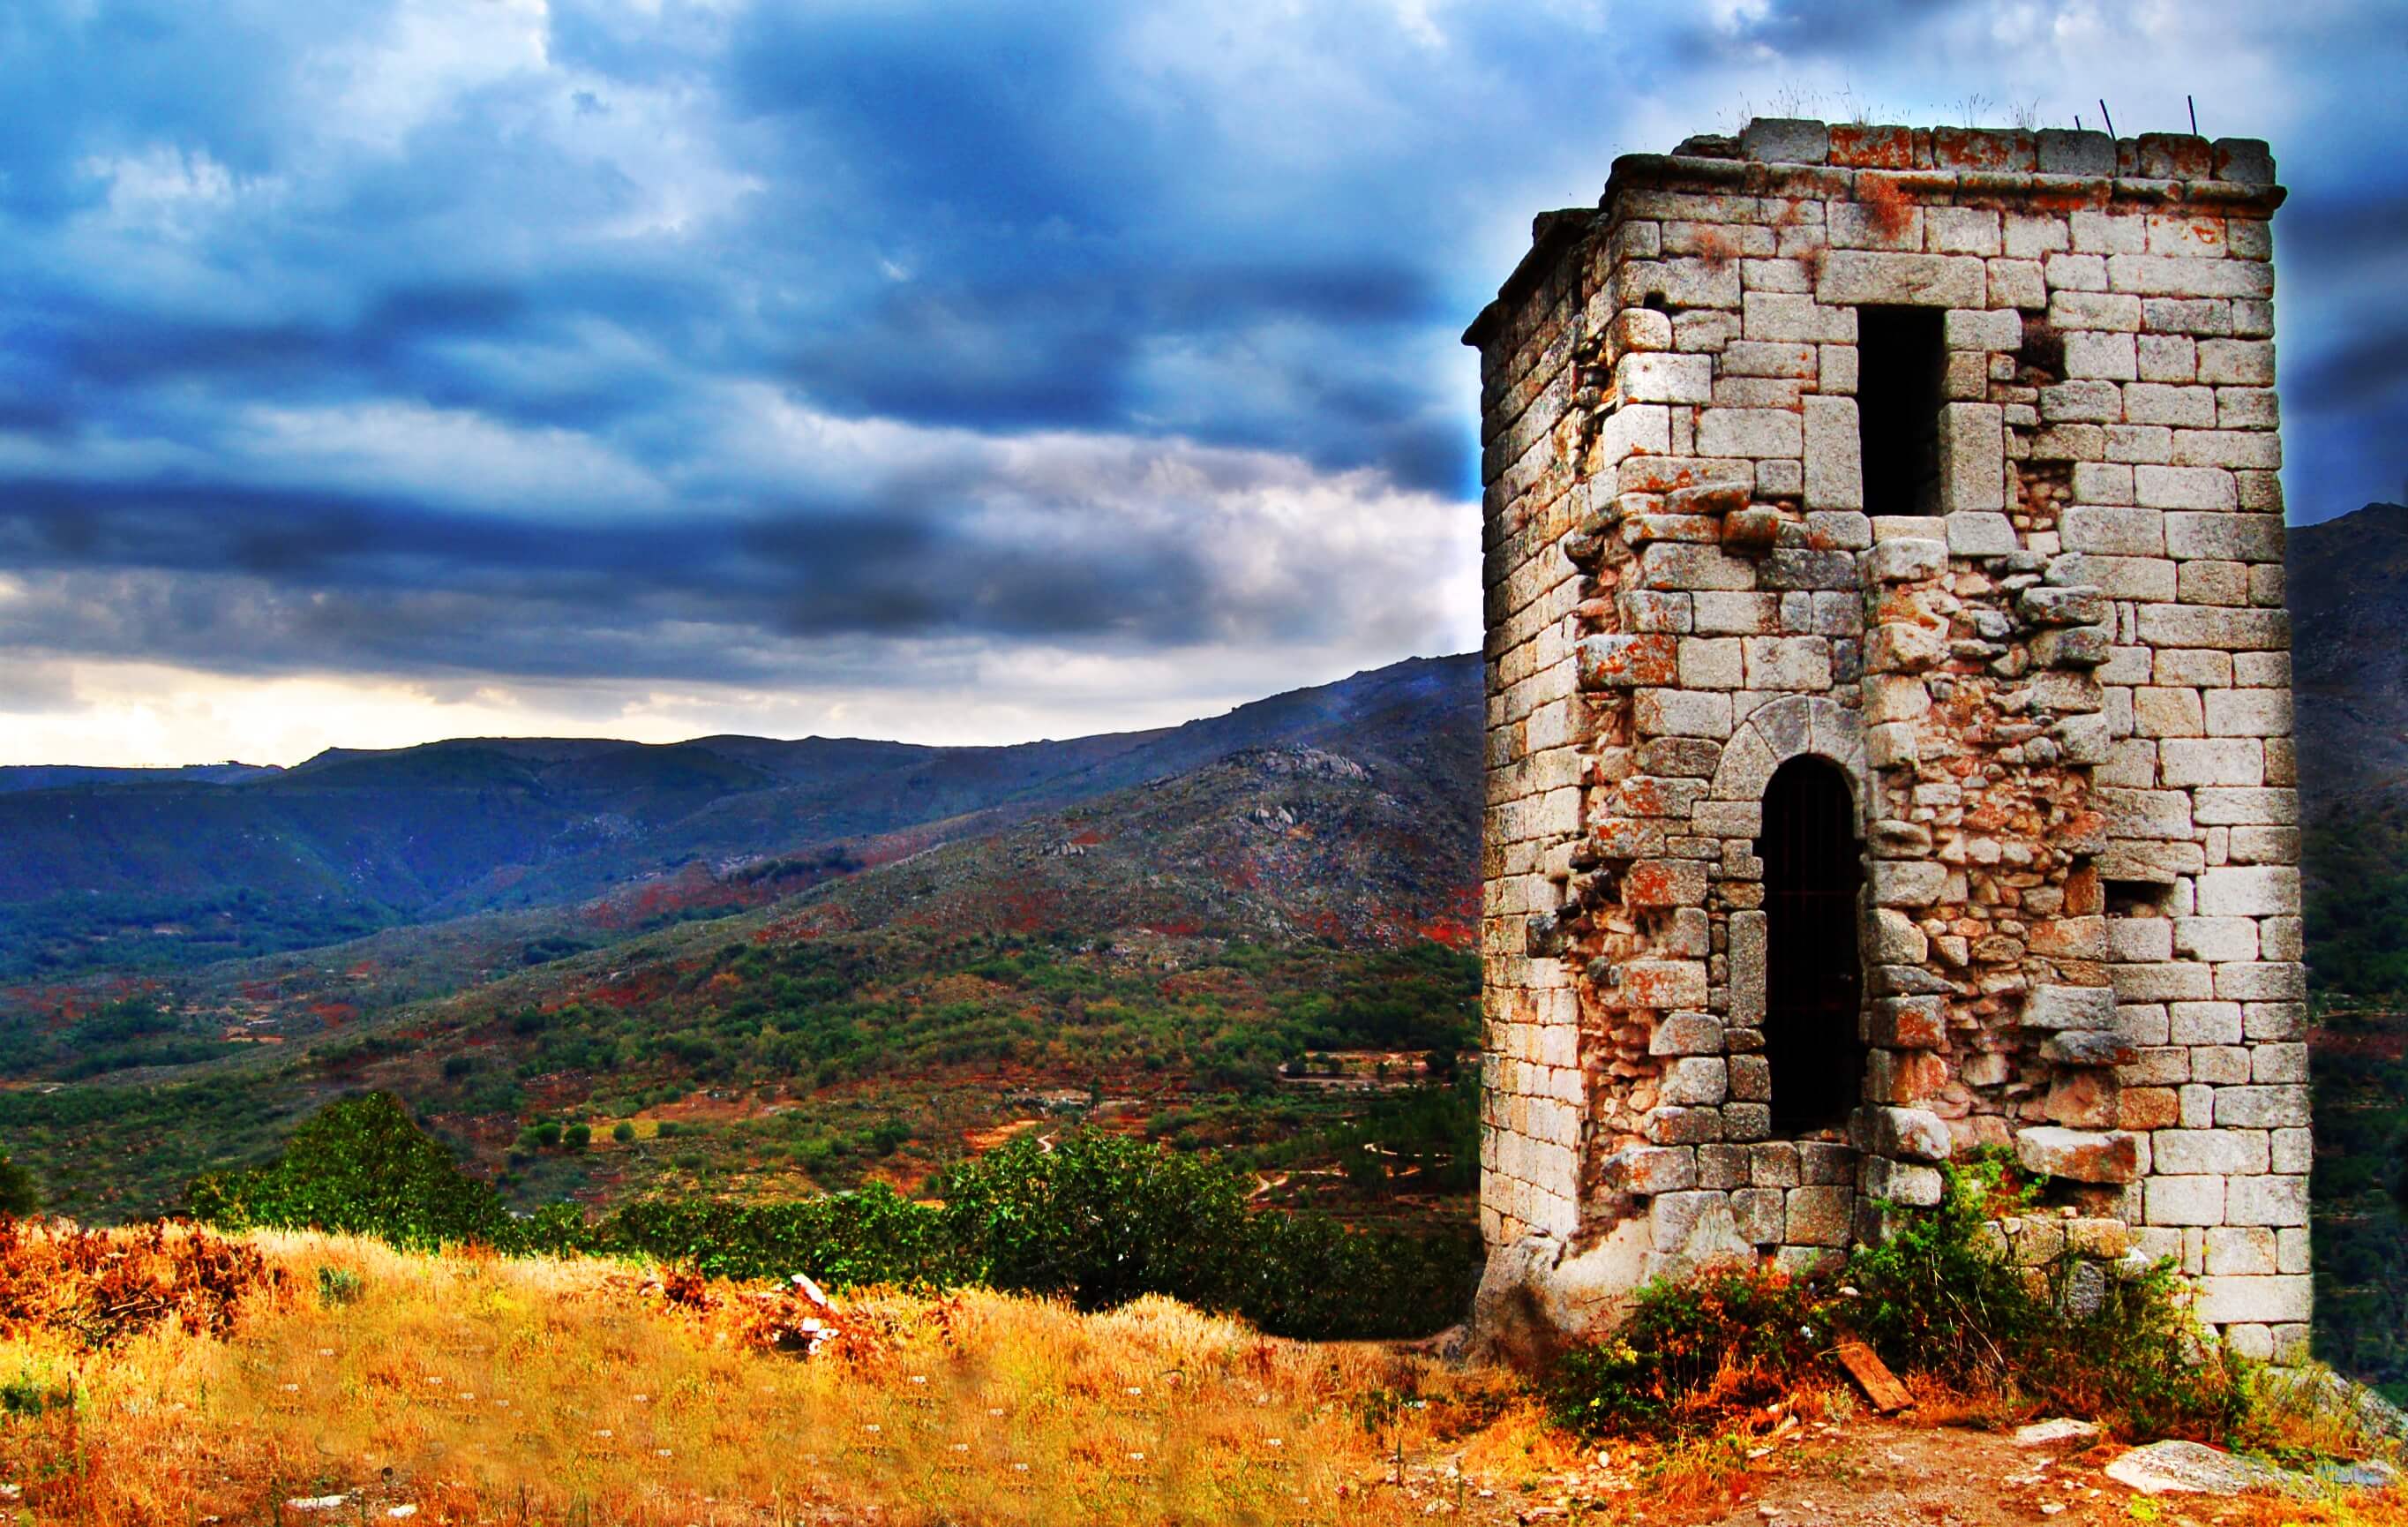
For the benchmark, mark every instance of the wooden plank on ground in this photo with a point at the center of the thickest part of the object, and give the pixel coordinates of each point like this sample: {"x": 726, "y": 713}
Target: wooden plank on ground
{"x": 1880, "y": 1385}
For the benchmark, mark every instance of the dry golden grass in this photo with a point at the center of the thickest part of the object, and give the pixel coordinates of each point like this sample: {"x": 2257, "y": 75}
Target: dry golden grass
{"x": 470, "y": 1388}
{"x": 485, "y": 1389}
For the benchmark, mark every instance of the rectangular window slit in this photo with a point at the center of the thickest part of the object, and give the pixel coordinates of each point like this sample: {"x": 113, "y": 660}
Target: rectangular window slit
{"x": 1901, "y": 366}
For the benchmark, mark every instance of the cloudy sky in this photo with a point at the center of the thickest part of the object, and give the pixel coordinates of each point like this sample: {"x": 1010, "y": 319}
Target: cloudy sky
{"x": 376, "y": 372}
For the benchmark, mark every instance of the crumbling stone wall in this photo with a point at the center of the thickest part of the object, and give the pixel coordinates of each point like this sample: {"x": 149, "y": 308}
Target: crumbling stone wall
{"x": 2058, "y": 689}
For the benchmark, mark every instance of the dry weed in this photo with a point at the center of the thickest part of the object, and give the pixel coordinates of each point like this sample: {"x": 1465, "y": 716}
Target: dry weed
{"x": 477, "y": 1389}
{"x": 98, "y": 1286}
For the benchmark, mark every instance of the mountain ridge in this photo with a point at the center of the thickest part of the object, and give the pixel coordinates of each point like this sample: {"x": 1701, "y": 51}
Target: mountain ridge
{"x": 355, "y": 840}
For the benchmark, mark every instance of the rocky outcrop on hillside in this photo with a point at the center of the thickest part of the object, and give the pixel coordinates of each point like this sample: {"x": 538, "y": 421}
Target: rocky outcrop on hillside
{"x": 1267, "y": 845}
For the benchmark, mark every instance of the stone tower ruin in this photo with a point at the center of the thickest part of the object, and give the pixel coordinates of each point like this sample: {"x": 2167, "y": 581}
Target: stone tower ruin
{"x": 1889, "y": 714}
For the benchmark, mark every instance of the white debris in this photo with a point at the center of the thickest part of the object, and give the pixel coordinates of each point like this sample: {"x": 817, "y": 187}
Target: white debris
{"x": 2050, "y": 1432}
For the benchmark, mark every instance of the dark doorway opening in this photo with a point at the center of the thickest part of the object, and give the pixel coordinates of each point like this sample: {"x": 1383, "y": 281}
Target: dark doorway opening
{"x": 1814, "y": 975}
{"x": 1900, "y": 367}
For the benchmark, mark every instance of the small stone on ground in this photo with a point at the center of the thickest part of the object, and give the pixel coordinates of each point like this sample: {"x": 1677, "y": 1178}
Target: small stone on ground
{"x": 2051, "y": 1433}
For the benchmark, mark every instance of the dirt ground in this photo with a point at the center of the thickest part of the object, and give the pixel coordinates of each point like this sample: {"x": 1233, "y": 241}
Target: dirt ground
{"x": 1877, "y": 1473}
{"x": 1885, "y": 1472}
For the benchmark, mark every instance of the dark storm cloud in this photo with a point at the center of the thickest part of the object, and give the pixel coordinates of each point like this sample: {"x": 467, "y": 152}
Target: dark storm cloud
{"x": 1799, "y": 31}
{"x": 988, "y": 226}
{"x": 701, "y": 341}
{"x": 83, "y": 343}
{"x": 2344, "y": 349}
{"x": 988, "y": 113}
{"x": 1048, "y": 349}
{"x": 2327, "y": 233}
{"x": 2369, "y": 368}
{"x": 270, "y": 580}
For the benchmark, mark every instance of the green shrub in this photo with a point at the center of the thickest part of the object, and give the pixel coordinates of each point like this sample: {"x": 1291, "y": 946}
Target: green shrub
{"x": 31, "y": 1393}
{"x": 1098, "y": 1219}
{"x": 556, "y": 1229}
{"x": 337, "y": 1287}
{"x": 362, "y": 1166}
{"x": 1941, "y": 1297}
{"x": 1692, "y": 1351}
{"x": 576, "y": 1136}
{"x": 841, "y": 1240}
{"x": 18, "y": 1195}
{"x": 1310, "y": 1277}
{"x": 623, "y": 1132}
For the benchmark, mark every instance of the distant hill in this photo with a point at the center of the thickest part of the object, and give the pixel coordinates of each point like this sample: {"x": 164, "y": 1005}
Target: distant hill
{"x": 15, "y": 777}
{"x": 134, "y": 870}
{"x": 2349, "y": 590}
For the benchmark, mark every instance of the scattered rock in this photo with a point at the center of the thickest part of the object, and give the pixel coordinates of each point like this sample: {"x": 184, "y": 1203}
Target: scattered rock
{"x": 2373, "y": 1474}
{"x": 2163, "y": 1468}
{"x": 2054, "y": 1432}
{"x": 2324, "y": 1393}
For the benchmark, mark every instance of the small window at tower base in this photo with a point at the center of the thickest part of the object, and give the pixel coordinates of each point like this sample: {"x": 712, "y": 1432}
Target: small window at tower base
{"x": 1813, "y": 973}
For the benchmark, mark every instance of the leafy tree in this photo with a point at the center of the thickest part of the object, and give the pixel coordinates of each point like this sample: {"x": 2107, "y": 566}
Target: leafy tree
{"x": 842, "y": 1240}
{"x": 17, "y": 1192}
{"x": 1100, "y": 1219}
{"x": 362, "y": 1166}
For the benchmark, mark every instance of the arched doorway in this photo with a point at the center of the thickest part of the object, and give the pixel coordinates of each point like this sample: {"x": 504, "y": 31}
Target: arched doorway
{"x": 1814, "y": 974}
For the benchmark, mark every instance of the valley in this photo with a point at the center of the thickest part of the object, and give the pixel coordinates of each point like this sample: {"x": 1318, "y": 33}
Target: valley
{"x": 751, "y": 969}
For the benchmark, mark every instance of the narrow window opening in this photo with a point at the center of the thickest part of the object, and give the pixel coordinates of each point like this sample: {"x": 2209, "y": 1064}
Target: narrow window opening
{"x": 1899, "y": 369}
{"x": 1814, "y": 975}
{"x": 2137, "y": 898}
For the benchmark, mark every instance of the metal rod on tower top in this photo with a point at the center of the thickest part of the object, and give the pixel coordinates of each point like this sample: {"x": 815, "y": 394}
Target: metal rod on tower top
{"x": 2110, "y": 116}
{"x": 2194, "y": 115}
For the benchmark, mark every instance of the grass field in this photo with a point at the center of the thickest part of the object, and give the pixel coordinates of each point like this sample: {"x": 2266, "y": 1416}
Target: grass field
{"x": 298, "y": 1378}
{"x": 477, "y": 1389}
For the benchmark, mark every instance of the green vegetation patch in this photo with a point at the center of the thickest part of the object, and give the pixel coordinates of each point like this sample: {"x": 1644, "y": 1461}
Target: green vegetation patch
{"x": 2360, "y": 1231}
{"x": 1096, "y": 1218}
{"x": 846, "y": 1009}
{"x": 109, "y": 1154}
{"x": 1941, "y": 1298}
{"x": 130, "y": 1033}
{"x": 362, "y": 1166}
